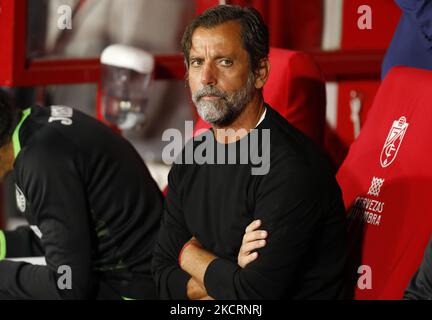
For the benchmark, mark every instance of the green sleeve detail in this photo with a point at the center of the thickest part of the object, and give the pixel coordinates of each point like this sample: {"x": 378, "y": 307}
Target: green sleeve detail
{"x": 2, "y": 245}
{"x": 15, "y": 136}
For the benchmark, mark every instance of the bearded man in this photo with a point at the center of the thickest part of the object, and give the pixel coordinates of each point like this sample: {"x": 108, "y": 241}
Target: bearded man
{"x": 228, "y": 233}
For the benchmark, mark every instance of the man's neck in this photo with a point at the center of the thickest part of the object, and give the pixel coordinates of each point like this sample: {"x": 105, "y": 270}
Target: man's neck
{"x": 243, "y": 124}
{"x": 6, "y": 159}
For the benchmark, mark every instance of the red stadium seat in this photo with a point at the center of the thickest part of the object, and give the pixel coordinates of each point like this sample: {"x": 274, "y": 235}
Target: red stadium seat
{"x": 386, "y": 181}
{"x": 296, "y": 90}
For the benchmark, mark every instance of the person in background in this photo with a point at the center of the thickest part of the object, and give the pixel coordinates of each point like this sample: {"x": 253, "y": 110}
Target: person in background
{"x": 420, "y": 286}
{"x": 93, "y": 210}
{"x": 137, "y": 23}
{"x": 412, "y": 41}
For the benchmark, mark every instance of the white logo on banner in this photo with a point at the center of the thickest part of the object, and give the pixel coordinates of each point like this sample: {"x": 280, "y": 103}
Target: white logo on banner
{"x": 375, "y": 187}
{"x": 393, "y": 141}
{"x": 367, "y": 209}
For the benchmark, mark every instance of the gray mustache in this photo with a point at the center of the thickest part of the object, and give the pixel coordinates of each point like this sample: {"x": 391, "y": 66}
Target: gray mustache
{"x": 209, "y": 91}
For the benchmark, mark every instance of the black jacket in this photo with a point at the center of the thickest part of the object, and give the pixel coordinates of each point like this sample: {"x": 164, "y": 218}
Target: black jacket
{"x": 298, "y": 201}
{"x": 91, "y": 205}
{"x": 420, "y": 286}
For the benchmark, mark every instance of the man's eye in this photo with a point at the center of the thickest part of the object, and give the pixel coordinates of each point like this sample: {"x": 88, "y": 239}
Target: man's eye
{"x": 196, "y": 63}
{"x": 226, "y": 62}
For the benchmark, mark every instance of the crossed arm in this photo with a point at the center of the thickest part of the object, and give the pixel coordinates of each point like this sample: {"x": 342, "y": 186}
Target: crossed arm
{"x": 194, "y": 259}
{"x": 292, "y": 220}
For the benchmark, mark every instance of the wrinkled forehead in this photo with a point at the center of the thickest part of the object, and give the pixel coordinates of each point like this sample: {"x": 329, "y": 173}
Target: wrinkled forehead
{"x": 223, "y": 39}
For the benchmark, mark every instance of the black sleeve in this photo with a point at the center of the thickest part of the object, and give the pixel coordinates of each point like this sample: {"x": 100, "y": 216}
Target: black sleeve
{"x": 52, "y": 184}
{"x": 288, "y": 203}
{"x": 170, "y": 279}
{"x": 420, "y": 286}
{"x": 21, "y": 242}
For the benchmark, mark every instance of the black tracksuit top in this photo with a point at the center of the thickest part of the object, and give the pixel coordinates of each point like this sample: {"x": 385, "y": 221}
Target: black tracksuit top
{"x": 299, "y": 203}
{"x": 91, "y": 205}
{"x": 420, "y": 286}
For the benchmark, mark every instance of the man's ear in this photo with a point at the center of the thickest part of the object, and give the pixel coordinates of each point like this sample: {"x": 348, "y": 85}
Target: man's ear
{"x": 262, "y": 73}
{"x": 187, "y": 71}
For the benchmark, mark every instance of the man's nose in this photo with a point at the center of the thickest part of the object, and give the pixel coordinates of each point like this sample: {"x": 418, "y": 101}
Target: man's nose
{"x": 208, "y": 75}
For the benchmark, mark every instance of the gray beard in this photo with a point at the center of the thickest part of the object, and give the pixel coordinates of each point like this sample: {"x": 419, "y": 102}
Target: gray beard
{"x": 225, "y": 110}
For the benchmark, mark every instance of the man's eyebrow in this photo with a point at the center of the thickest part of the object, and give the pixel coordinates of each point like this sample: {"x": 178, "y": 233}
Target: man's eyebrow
{"x": 221, "y": 56}
{"x": 224, "y": 56}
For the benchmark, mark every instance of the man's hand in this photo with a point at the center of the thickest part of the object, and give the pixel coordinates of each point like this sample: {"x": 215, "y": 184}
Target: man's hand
{"x": 252, "y": 240}
{"x": 194, "y": 260}
{"x": 195, "y": 290}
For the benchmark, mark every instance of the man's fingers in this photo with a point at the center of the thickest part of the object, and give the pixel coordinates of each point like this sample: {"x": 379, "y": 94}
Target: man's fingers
{"x": 254, "y": 235}
{"x": 253, "y": 226}
{"x": 253, "y": 239}
{"x": 244, "y": 261}
{"x": 251, "y": 246}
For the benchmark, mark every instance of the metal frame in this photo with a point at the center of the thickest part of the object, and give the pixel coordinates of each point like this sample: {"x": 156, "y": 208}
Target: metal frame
{"x": 15, "y": 70}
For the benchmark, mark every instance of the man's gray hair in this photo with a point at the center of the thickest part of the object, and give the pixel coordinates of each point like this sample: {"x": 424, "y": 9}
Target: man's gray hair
{"x": 254, "y": 32}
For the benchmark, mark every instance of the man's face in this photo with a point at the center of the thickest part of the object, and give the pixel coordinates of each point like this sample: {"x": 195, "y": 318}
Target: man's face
{"x": 6, "y": 160}
{"x": 220, "y": 77}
